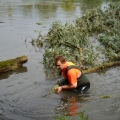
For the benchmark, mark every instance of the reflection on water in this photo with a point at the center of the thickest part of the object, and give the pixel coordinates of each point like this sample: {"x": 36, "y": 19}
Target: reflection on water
{"x": 54, "y": 9}
{"x": 21, "y": 69}
{"x": 22, "y": 91}
{"x": 69, "y": 105}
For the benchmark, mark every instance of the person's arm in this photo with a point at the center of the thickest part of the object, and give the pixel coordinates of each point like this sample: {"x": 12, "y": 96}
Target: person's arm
{"x": 60, "y": 88}
{"x": 72, "y": 80}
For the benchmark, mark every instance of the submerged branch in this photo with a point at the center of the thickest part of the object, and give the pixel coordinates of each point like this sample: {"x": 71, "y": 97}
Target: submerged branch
{"x": 102, "y": 66}
{"x": 71, "y": 45}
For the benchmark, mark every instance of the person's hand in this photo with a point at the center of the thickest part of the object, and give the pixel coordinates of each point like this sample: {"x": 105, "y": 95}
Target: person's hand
{"x": 59, "y": 89}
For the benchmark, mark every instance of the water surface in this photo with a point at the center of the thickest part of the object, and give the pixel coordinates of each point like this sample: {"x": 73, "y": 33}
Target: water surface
{"x": 25, "y": 94}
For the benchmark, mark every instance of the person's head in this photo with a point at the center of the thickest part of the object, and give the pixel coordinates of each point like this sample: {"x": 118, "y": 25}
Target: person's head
{"x": 59, "y": 62}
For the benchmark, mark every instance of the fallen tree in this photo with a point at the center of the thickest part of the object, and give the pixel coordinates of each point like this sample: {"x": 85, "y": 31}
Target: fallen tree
{"x": 89, "y": 40}
{"x": 12, "y": 64}
{"x": 101, "y": 66}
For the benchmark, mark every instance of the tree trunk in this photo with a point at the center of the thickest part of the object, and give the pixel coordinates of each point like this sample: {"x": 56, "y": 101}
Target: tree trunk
{"x": 12, "y": 64}
{"x": 102, "y": 66}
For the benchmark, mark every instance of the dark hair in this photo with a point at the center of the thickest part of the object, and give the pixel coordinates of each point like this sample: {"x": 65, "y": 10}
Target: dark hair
{"x": 59, "y": 58}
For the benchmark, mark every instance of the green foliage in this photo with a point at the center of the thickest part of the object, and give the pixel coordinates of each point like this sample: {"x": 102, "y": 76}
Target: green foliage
{"x": 39, "y": 41}
{"x": 67, "y": 40}
{"x": 73, "y": 39}
{"x": 81, "y": 116}
{"x": 62, "y": 118}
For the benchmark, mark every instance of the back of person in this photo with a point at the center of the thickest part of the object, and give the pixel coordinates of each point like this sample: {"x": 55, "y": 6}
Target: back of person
{"x": 67, "y": 73}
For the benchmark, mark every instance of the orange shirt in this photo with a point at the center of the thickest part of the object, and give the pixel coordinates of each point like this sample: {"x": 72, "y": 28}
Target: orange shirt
{"x": 72, "y": 73}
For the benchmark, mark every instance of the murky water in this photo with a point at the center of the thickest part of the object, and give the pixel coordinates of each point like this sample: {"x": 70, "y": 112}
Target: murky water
{"x": 25, "y": 94}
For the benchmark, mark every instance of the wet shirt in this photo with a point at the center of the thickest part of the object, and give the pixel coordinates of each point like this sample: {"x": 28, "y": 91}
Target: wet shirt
{"x": 72, "y": 74}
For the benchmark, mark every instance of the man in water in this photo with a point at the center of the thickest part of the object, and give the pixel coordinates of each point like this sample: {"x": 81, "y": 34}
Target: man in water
{"x": 74, "y": 78}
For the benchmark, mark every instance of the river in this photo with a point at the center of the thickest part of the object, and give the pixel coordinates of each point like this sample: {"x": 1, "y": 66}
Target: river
{"x": 25, "y": 94}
